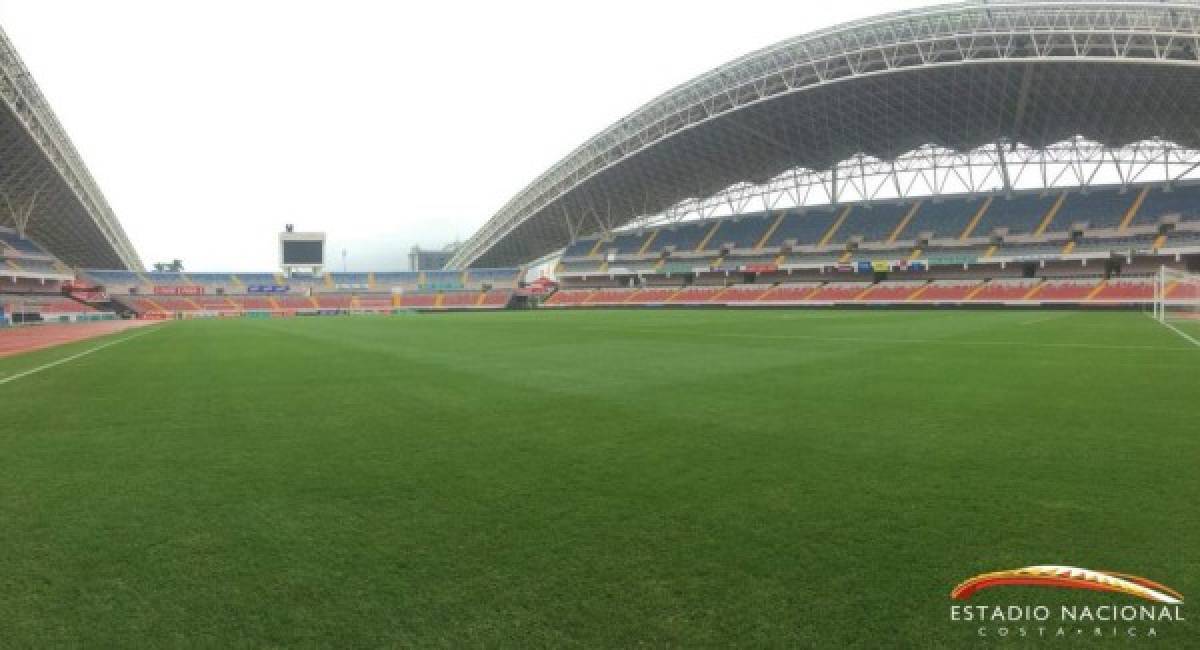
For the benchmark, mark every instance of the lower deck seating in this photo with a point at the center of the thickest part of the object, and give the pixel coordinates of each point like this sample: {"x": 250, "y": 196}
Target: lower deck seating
{"x": 1126, "y": 289}
{"x": 609, "y": 296}
{"x": 652, "y": 295}
{"x": 566, "y": 297}
{"x": 1005, "y": 289}
{"x": 791, "y": 292}
{"x": 45, "y": 305}
{"x": 695, "y": 295}
{"x": 839, "y": 291}
{"x": 1072, "y": 289}
{"x": 742, "y": 294}
{"x": 1084, "y": 289}
{"x": 892, "y": 291}
{"x": 950, "y": 290}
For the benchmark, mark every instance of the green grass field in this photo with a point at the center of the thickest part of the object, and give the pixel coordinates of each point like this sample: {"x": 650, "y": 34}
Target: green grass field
{"x": 608, "y": 478}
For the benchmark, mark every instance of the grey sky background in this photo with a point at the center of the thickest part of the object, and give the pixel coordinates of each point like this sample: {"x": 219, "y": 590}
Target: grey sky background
{"x": 211, "y": 124}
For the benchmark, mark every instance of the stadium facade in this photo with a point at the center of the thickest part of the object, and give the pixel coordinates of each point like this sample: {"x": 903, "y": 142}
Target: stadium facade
{"x": 999, "y": 153}
{"x": 46, "y": 192}
{"x": 969, "y": 98}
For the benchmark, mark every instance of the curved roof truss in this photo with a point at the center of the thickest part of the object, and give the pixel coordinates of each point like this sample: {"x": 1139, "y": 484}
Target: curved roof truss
{"x": 956, "y": 77}
{"x": 46, "y": 191}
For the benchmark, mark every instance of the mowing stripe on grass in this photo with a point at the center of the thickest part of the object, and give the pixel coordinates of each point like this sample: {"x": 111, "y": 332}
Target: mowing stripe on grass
{"x": 59, "y": 362}
{"x": 863, "y": 339}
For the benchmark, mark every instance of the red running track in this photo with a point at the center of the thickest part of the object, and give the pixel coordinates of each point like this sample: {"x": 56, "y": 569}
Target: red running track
{"x": 15, "y": 340}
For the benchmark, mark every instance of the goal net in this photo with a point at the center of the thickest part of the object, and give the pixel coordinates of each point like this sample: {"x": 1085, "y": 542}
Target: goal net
{"x": 1177, "y": 296}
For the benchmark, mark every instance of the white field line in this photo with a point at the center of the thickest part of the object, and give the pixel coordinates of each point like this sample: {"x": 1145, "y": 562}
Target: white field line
{"x": 73, "y": 357}
{"x": 1184, "y": 334}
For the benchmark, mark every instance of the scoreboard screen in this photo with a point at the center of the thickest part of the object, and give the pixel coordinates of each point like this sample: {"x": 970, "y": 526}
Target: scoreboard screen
{"x": 303, "y": 253}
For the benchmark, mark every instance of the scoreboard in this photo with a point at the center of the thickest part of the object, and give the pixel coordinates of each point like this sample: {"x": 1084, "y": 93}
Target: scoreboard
{"x": 302, "y": 250}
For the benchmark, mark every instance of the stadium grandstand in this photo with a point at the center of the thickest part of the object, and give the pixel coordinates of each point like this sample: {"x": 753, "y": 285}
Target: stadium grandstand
{"x": 972, "y": 153}
{"x": 775, "y": 360}
{"x": 977, "y": 152}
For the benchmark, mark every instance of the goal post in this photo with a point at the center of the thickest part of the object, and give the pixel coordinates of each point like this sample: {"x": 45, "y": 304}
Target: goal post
{"x": 1177, "y": 296}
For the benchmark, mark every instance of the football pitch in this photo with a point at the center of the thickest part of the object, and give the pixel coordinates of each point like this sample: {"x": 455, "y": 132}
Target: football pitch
{"x": 606, "y": 478}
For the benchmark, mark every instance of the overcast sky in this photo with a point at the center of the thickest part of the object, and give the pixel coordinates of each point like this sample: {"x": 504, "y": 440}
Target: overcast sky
{"x": 211, "y": 124}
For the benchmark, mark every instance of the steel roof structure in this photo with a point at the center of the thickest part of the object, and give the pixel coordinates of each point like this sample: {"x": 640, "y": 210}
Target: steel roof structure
{"x": 46, "y": 192}
{"x": 979, "y": 92}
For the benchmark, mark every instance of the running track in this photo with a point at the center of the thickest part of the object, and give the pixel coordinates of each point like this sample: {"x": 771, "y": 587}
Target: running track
{"x": 15, "y": 340}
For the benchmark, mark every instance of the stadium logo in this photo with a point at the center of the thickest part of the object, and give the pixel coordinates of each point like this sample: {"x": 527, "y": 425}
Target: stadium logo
{"x": 1162, "y": 606}
{"x": 1065, "y": 577}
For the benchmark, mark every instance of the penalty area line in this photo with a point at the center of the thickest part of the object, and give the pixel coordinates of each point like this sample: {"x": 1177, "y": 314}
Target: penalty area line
{"x": 78, "y": 355}
{"x": 1191, "y": 339}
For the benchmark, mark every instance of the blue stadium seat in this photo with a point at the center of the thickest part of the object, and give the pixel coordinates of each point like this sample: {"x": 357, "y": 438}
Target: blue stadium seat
{"x": 1183, "y": 201}
{"x": 1021, "y": 214}
{"x": 628, "y": 243}
{"x": 1099, "y": 208}
{"x": 19, "y": 244}
{"x": 350, "y": 278}
{"x": 261, "y": 279}
{"x": 684, "y": 237}
{"x": 745, "y": 232}
{"x": 1118, "y": 244}
{"x": 945, "y": 219}
{"x": 806, "y": 228}
{"x": 580, "y": 248}
{"x": 874, "y": 223}
{"x": 443, "y": 280}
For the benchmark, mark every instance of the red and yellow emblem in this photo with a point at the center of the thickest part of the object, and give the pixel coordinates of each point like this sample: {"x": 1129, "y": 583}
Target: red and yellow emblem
{"x": 1066, "y": 577}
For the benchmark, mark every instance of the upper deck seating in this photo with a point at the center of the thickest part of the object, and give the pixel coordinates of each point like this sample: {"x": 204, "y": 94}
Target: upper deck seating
{"x": 580, "y": 247}
{"x": 213, "y": 281}
{"x": 18, "y": 244}
{"x": 582, "y": 266}
{"x": 943, "y": 219}
{"x": 684, "y": 236}
{"x": 1017, "y": 249}
{"x": 1021, "y": 214}
{"x": 166, "y": 279}
{"x": 1183, "y": 201}
{"x": 30, "y": 265}
{"x": 258, "y": 279}
{"x": 742, "y": 232}
{"x": 1179, "y": 238}
{"x": 626, "y": 243}
{"x": 496, "y": 278}
{"x": 350, "y": 279}
{"x": 1095, "y": 244}
{"x": 806, "y": 228}
{"x": 1099, "y": 208}
{"x": 407, "y": 280}
{"x": 874, "y": 223}
{"x": 443, "y": 280}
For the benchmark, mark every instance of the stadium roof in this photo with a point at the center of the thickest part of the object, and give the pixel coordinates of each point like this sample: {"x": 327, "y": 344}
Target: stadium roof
{"x": 957, "y": 76}
{"x": 46, "y": 191}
